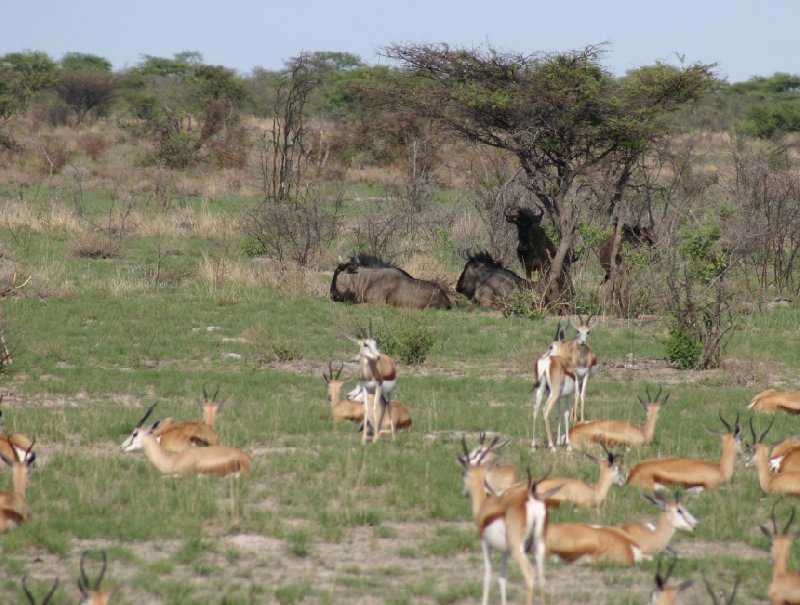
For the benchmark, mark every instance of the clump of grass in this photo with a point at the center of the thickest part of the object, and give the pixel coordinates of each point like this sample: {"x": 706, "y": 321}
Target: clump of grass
{"x": 95, "y": 246}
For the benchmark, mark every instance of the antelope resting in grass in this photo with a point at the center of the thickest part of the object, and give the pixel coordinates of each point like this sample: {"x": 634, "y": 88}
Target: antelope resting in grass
{"x": 664, "y": 594}
{"x": 175, "y": 437}
{"x": 508, "y": 523}
{"x": 771, "y": 401}
{"x": 719, "y": 597}
{"x": 14, "y": 508}
{"x": 585, "y": 543}
{"x": 498, "y": 477}
{"x": 31, "y": 599}
{"x": 13, "y": 446}
{"x": 688, "y": 472}
{"x": 784, "y": 456}
{"x": 785, "y": 586}
{"x": 787, "y": 482}
{"x": 653, "y": 539}
{"x": 613, "y": 432}
{"x": 341, "y": 410}
{"x": 397, "y": 418}
{"x": 211, "y": 460}
{"x": 555, "y": 377}
{"x": 377, "y": 375}
{"x": 93, "y": 596}
{"x": 582, "y": 494}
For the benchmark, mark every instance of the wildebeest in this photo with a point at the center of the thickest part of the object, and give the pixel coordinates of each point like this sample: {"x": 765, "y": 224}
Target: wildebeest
{"x": 367, "y": 279}
{"x": 636, "y": 236}
{"x": 534, "y": 248}
{"x": 485, "y": 281}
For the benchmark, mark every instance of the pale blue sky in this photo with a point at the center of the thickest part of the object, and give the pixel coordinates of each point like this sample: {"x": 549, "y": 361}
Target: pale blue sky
{"x": 745, "y": 37}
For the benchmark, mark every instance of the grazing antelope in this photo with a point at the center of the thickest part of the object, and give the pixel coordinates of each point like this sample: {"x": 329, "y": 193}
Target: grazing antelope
{"x": 12, "y": 446}
{"x": 653, "y": 539}
{"x": 582, "y": 542}
{"x": 498, "y": 477}
{"x": 555, "y": 377}
{"x": 31, "y": 599}
{"x": 377, "y": 375}
{"x": 582, "y": 494}
{"x": 507, "y": 524}
{"x": 14, "y": 508}
{"x": 613, "y": 432}
{"x": 341, "y": 410}
{"x": 173, "y": 437}
{"x": 211, "y": 460}
{"x": 787, "y": 482}
{"x": 771, "y": 401}
{"x": 93, "y": 596}
{"x": 690, "y": 473}
{"x": 664, "y": 594}
{"x": 785, "y": 586}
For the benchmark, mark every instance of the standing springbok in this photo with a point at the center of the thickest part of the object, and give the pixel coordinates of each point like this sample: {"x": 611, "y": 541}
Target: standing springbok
{"x": 613, "y": 432}
{"x": 377, "y": 376}
{"x": 690, "y": 473}
{"x": 652, "y": 539}
{"x": 14, "y": 508}
{"x": 583, "y": 360}
{"x": 581, "y": 494}
{"x": 511, "y": 524}
{"x": 30, "y": 597}
{"x": 499, "y": 477}
{"x": 771, "y": 401}
{"x": 555, "y": 377}
{"x": 785, "y": 586}
{"x": 664, "y": 594}
{"x": 93, "y": 595}
{"x": 787, "y": 482}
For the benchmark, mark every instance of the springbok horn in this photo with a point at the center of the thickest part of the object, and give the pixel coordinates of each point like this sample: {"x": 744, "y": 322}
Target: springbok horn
{"x": 643, "y": 402}
{"x": 764, "y": 434}
{"x": 725, "y": 422}
{"x": 146, "y": 415}
{"x": 789, "y": 522}
{"x": 464, "y": 445}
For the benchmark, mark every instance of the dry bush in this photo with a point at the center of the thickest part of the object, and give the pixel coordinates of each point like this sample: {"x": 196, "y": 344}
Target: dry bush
{"x": 423, "y": 266}
{"x": 748, "y": 373}
{"x": 94, "y": 245}
{"x": 93, "y": 145}
{"x": 51, "y": 155}
{"x": 221, "y": 271}
{"x": 55, "y": 216}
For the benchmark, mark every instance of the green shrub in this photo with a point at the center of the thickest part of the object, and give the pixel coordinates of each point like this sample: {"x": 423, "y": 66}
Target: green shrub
{"x": 683, "y": 348}
{"x": 409, "y": 341}
{"x": 524, "y": 303}
{"x": 252, "y": 247}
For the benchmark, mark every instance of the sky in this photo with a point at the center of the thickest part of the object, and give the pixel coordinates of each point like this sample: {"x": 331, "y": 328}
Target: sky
{"x": 745, "y": 38}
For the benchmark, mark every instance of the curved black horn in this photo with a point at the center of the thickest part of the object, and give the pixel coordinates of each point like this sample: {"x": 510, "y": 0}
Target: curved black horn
{"x": 28, "y": 594}
{"x": 789, "y": 522}
{"x": 764, "y": 434}
{"x": 146, "y": 415}
{"x": 725, "y": 422}
{"x": 464, "y": 445}
{"x": 774, "y": 522}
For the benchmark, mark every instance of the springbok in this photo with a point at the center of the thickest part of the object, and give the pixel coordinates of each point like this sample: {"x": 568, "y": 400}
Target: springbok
{"x": 93, "y": 595}
{"x": 688, "y": 472}
{"x": 787, "y": 482}
{"x": 29, "y": 595}
{"x": 771, "y": 401}
{"x": 582, "y": 542}
{"x": 341, "y": 410}
{"x": 510, "y": 524}
{"x": 581, "y": 494}
{"x": 555, "y": 377}
{"x": 174, "y": 437}
{"x": 583, "y": 360}
{"x": 785, "y": 449}
{"x": 664, "y": 594}
{"x": 785, "y": 586}
{"x": 14, "y": 508}
{"x": 719, "y": 597}
{"x": 397, "y": 418}
{"x": 499, "y": 477}
{"x": 211, "y": 460}
{"x": 652, "y": 539}
{"x": 12, "y": 446}
{"x": 377, "y": 375}
{"x": 613, "y": 432}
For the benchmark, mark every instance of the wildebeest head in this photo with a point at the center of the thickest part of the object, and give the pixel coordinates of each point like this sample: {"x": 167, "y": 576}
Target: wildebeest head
{"x": 340, "y": 292}
{"x": 478, "y": 265}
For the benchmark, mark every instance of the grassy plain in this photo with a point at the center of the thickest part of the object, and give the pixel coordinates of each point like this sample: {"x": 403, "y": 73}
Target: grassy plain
{"x": 320, "y": 519}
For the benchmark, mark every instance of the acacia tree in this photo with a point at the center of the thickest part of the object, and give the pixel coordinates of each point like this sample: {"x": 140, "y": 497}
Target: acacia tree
{"x": 562, "y": 115}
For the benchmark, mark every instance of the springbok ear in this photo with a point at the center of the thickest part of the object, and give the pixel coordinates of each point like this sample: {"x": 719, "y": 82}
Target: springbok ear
{"x": 685, "y": 585}
{"x": 6, "y": 460}
{"x": 153, "y": 426}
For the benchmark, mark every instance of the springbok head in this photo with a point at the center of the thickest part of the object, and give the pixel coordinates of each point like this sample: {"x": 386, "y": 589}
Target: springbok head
{"x": 652, "y": 400}
{"x": 719, "y": 597}
{"x": 681, "y": 517}
{"x": 612, "y": 461}
{"x": 133, "y": 441}
{"x": 91, "y": 593}
{"x": 30, "y": 597}
{"x": 757, "y": 440}
{"x": 211, "y": 406}
{"x": 582, "y": 328}
{"x": 665, "y": 594}
{"x": 367, "y": 346}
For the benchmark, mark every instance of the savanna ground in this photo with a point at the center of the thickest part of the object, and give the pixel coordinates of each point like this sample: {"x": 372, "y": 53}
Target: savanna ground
{"x": 131, "y": 305}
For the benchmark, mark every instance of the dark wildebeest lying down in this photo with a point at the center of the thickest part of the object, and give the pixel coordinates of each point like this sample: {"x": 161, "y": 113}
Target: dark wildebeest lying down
{"x": 637, "y": 237}
{"x": 367, "y": 279}
{"x": 486, "y": 282}
{"x": 534, "y": 248}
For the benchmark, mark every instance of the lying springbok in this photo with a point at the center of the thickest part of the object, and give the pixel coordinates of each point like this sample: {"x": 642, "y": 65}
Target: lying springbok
{"x": 12, "y": 446}
{"x": 555, "y": 377}
{"x": 341, "y": 410}
{"x": 581, "y": 494}
{"x": 585, "y": 543}
{"x": 652, "y": 539}
{"x": 14, "y": 508}
{"x": 174, "y": 437}
{"x": 787, "y": 482}
{"x": 498, "y": 477}
{"x": 664, "y": 594}
{"x": 93, "y": 595}
{"x": 783, "y": 450}
{"x": 29, "y": 595}
{"x": 771, "y": 401}
{"x": 785, "y": 586}
{"x": 719, "y": 597}
{"x": 397, "y": 418}
{"x": 614, "y": 432}
{"x": 211, "y": 460}
{"x": 511, "y": 524}
{"x": 690, "y": 473}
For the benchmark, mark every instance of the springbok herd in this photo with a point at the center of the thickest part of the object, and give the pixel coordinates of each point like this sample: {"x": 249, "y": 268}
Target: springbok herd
{"x": 511, "y": 514}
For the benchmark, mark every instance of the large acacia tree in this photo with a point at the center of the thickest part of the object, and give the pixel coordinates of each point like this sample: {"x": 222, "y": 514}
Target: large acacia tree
{"x": 562, "y": 115}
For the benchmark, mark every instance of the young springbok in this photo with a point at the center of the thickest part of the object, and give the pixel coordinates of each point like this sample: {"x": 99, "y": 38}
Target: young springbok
{"x": 509, "y": 524}
{"x": 690, "y": 473}
{"x": 652, "y": 539}
{"x": 173, "y": 437}
{"x": 499, "y": 477}
{"x": 581, "y": 494}
{"x": 787, "y": 482}
{"x": 771, "y": 401}
{"x": 14, "y": 508}
{"x": 555, "y": 377}
{"x": 613, "y": 432}
{"x": 30, "y": 597}
{"x": 211, "y": 460}
{"x": 785, "y": 586}
{"x": 93, "y": 595}
{"x": 664, "y": 594}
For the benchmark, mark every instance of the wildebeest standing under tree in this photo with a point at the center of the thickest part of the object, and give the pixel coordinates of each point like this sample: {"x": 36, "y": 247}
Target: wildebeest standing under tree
{"x": 485, "y": 281}
{"x": 534, "y": 248}
{"x": 367, "y": 279}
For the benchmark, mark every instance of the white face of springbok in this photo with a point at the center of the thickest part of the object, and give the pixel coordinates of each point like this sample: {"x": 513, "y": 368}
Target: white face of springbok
{"x": 582, "y": 329}
{"x": 369, "y": 348}
{"x": 133, "y": 441}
